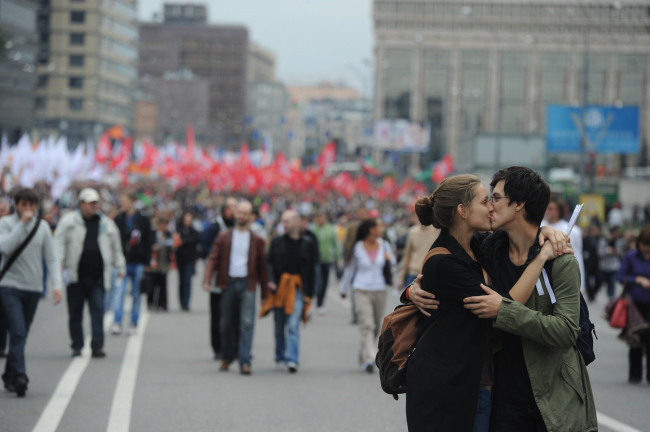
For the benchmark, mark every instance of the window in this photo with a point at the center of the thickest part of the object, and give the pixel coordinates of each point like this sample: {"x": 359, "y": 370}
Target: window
{"x": 76, "y": 60}
{"x": 77, "y": 17}
{"x": 75, "y": 104}
{"x": 77, "y": 38}
{"x": 42, "y": 81}
{"x": 75, "y": 82}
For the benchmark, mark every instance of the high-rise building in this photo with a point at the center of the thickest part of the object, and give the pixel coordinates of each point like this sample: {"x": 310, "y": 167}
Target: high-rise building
{"x": 492, "y": 67}
{"x": 214, "y": 53}
{"x": 261, "y": 64}
{"x": 18, "y": 48}
{"x": 87, "y": 66}
{"x": 267, "y": 102}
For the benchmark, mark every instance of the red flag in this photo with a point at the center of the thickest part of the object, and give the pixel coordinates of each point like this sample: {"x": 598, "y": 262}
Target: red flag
{"x": 149, "y": 155}
{"x": 121, "y": 160}
{"x": 442, "y": 169}
{"x": 326, "y": 156}
{"x": 104, "y": 149}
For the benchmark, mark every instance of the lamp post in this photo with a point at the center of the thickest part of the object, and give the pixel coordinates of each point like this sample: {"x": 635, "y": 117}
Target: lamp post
{"x": 583, "y": 106}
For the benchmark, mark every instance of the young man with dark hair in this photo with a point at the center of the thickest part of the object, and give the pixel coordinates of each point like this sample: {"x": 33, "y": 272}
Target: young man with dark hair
{"x": 22, "y": 284}
{"x": 541, "y": 381}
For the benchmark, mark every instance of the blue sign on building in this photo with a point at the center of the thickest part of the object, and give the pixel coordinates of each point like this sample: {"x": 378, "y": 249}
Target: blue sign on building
{"x": 608, "y": 129}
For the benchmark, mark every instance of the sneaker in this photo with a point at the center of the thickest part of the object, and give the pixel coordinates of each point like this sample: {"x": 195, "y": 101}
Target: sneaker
{"x": 368, "y": 367}
{"x": 321, "y": 310}
{"x": 116, "y": 329}
{"x": 292, "y": 367}
{"x": 21, "y": 386}
{"x": 133, "y": 330}
{"x": 98, "y": 354}
{"x": 280, "y": 366}
{"x": 10, "y": 387}
{"x": 245, "y": 369}
{"x": 76, "y": 353}
{"x": 224, "y": 366}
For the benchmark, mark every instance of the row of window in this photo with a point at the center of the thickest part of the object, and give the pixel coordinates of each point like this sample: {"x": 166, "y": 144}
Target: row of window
{"x": 513, "y": 26}
{"x": 126, "y": 30}
{"x": 130, "y": 52}
{"x": 514, "y": 10}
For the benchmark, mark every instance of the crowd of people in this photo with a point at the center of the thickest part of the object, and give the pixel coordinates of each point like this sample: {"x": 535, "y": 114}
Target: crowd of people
{"x": 100, "y": 244}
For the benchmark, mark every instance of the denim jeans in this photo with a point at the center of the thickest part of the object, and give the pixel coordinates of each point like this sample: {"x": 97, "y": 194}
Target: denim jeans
{"x": 134, "y": 272}
{"x": 215, "y": 322}
{"x": 235, "y": 298}
{"x": 287, "y": 346}
{"x": 109, "y": 295}
{"x": 610, "y": 279}
{"x": 19, "y": 309}
{"x": 185, "y": 273}
{"x": 4, "y": 329}
{"x": 483, "y": 409}
{"x": 92, "y": 290}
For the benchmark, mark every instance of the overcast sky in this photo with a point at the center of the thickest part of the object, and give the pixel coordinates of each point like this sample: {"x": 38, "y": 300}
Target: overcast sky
{"x": 313, "y": 40}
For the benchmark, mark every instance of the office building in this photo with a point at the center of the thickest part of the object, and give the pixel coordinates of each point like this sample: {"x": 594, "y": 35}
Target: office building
{"x": 486, "y": 67}
{"x": 87, "y": 66}
{"x": 19, "y": 44}
{"x": 216, "y": 54}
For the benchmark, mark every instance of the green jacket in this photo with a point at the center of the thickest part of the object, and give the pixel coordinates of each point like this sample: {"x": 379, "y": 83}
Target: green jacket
{"x": 557, "y": 372}
{"x": 327, "y": 243}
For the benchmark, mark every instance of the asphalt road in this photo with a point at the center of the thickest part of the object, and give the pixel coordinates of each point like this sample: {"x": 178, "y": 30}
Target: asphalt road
{"x": 165, "y": 379}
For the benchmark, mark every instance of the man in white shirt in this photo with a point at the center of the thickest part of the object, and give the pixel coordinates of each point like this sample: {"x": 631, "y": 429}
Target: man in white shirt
{"x": 237, "y": 258}
{"x": 553, "y": 218}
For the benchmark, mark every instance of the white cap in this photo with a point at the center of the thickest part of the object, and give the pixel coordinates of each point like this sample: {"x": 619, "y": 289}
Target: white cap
{"x": 88, "y": 195}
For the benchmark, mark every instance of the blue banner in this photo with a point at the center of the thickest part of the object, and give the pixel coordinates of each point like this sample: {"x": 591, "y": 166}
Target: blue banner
{"x": 608, "y": 129}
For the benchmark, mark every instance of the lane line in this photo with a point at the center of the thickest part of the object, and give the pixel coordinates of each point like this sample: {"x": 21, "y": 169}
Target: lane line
{"x": 119, "y": 418}
{"x": 65, "y": 389}
{"x": 606, "y": 421}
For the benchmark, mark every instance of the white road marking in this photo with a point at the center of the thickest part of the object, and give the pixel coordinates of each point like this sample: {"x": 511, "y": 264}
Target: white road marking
{"x": 614, "y": 424}
{"x": 58, "y": 403}
{"x": 119, "y": 418}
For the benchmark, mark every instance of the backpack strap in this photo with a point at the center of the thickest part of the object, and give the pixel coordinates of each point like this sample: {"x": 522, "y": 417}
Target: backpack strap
{"x": 435, "y": 251}
{"x": 547, "y": 283}
{"x": 20, "y": 248}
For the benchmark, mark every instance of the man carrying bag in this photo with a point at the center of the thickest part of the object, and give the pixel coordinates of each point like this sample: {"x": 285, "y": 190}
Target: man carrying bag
{"x": 25, "y": 241}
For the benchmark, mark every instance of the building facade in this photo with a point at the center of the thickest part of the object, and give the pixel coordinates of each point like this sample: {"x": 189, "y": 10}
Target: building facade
{"x": 214, "y": 53}
{"x": 181, "y": 99}
{"x": 19, "y": 46}
{"x": 321, "y": 113}
{"x": 87, "y": 66}
{"x": 491, "y": 67}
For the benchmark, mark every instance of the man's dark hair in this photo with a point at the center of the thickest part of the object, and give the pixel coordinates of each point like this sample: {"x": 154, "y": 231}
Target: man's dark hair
{"x": 26, "y": 194}
{"x": 523, "y": 185}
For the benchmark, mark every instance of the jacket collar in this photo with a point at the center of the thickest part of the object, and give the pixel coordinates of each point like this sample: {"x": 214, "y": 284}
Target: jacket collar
{"x": 456, "y": 249}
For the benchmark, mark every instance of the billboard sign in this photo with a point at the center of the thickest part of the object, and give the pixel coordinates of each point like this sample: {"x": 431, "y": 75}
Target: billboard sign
{"x": 608, "y": 129}
{"x": 402, "y": 135}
